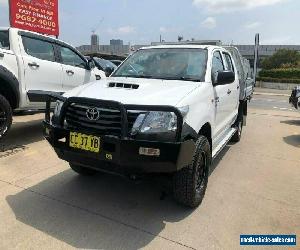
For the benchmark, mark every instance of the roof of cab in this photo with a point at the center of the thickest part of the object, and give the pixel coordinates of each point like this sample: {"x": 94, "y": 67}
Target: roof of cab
{"x": 35, "y": 33}
{"x": 182, "y": 46}
{"x": 38, "y": 34}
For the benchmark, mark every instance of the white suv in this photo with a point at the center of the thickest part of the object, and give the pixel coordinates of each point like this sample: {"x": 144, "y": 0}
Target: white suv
{"x": 167, "y": 109}
{"x": 32, "y": 65}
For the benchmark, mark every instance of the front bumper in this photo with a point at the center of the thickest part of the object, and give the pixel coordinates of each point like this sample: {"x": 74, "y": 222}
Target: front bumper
{"x": 121, "y": 155}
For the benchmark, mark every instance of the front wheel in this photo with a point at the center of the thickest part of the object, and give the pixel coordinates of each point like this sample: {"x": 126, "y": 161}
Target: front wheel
{"x": 5, "y": 116}
{"x": 189, "y": 184}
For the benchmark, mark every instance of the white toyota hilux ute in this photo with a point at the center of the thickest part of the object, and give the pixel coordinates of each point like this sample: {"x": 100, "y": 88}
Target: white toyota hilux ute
{"x": 166, "y": 110}
{"x": 32, "y": 65}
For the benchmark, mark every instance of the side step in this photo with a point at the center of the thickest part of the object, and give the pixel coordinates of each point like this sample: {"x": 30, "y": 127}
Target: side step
{"x": 223, "y": 143}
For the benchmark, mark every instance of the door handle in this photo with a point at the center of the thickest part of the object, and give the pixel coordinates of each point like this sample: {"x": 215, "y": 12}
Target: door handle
{"x": 34, "y": 64}
{"x": 228, "y": 92}
{"x": 70, "y": 72}
{"x": 1, "y": 55}
{"x": 217, "y": 99}
{"x": 238, "y": 87}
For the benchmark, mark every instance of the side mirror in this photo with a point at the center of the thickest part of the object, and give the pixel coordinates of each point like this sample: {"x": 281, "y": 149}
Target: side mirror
{"x": 90, "y": 64}
{"x": 224, "y": 77}
{"x": 108, "y": 71}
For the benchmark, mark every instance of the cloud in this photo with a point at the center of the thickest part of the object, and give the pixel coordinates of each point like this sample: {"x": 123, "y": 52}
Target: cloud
{"x": 233, "y": 5}
{"x": 252, "y": 25}
{"x": 124, "y": 30}
{"x": 165, "y": 30}
{"x": 209, "y": 23}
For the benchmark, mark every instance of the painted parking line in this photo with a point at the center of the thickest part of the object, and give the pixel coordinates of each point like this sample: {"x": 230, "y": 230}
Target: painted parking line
{"x": 269, "y": 100}
{"x": 283, "y": 108}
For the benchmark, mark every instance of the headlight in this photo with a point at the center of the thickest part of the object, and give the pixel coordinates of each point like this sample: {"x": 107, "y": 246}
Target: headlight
{"x": 56, "y": 112}
{"x": 57, "y": 108}
{"x": 155, "y": 122}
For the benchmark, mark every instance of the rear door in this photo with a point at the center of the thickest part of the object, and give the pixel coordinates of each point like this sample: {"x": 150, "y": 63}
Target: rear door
{"x": 75, "y": 70}
{"x": 42, "y": 71}
{"x": 220, "y": 96}
{"x": 232, "y": 91}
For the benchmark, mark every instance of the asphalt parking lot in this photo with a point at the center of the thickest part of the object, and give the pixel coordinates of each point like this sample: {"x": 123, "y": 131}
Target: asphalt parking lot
{"x": 254, "y": 188}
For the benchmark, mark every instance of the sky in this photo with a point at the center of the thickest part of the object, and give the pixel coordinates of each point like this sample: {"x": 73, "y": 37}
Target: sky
{"x": 143, "y": 21}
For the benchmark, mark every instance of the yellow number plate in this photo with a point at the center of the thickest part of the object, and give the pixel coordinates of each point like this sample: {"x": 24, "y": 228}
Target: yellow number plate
{"x": 85, "y": 142}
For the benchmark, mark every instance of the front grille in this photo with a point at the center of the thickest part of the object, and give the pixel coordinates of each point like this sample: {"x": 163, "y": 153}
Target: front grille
{"x": 109, "y": 122}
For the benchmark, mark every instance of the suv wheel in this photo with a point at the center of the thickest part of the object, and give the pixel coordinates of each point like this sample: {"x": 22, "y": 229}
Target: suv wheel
{"x": 83, "y": 170}
{"x": 189, "y": 184}
{"x": 5, "y": 116}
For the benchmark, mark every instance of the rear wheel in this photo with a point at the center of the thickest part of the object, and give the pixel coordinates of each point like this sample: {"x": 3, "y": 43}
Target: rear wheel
{"x": 83, "y": 170}
{"x": 5, "y": 116}
{"x": 189, "y": 184}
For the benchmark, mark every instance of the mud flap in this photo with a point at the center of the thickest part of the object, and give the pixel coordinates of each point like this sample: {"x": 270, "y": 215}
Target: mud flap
{"x": 243, "y": 111}
{"x": 245, "y": 120}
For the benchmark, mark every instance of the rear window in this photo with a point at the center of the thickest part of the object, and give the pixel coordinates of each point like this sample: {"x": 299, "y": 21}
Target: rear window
{"x": 228, "y": 62}
{"x": 4, "y": 39}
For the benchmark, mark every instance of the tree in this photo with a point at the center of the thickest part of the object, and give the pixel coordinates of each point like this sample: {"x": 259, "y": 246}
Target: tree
{"x": 282, "y": 57}
{"x": 180, "y": 38}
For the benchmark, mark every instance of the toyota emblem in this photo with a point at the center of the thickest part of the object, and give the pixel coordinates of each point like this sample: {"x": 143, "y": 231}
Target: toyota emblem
{"x": 93, "y": 114}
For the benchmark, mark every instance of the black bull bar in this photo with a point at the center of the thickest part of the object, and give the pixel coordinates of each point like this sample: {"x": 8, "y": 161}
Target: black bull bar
{"x": 123, "y": 108}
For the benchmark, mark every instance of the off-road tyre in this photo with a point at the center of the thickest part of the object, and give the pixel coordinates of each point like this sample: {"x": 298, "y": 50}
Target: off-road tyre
{"x": 5, "y": 116}
{"x": 189, "y": 183}
{"x": 83, "y": 170}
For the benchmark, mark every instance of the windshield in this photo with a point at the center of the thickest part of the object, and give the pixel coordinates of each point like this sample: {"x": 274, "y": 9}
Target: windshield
{"x": 105, "y": 63}
{"x": 170, "y": 64}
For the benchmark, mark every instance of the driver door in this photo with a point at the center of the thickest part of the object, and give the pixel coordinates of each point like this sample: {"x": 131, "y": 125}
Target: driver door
{"x": 75, "y": 70}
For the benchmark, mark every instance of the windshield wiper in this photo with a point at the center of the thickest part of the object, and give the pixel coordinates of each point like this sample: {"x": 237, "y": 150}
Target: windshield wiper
{"x": 183, "y": 78}
{"x": 136, "y": 76}
{"x": 189, "y": 79}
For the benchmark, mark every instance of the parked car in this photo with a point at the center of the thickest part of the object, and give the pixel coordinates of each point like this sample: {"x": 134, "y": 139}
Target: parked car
{"x": 116, "y": 62}
{"x": 295, "y": 97}
{"x": 170, "y": 115}
{"x": 31, "y": 65}
{"x": 107, "y": 66}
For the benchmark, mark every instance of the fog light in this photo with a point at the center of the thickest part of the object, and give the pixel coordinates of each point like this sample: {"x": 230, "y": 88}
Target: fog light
{"x": 63, "y": 140}
{"x": 149, "y": 151}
